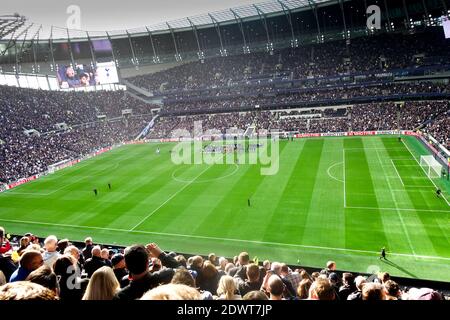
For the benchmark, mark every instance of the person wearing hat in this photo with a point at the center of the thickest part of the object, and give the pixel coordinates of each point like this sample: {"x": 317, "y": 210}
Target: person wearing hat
{"x": 119, "y": 268}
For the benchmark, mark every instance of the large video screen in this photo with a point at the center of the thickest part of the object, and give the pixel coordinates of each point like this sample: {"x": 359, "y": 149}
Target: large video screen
{"x": 446, "y": 25}
{"x": 85, "y": 76}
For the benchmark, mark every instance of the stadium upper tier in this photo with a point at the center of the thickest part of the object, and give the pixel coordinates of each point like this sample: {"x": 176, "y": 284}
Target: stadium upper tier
{"x": 265, "y": 26}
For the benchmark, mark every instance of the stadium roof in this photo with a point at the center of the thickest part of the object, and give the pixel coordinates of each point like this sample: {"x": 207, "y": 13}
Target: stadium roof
{"x": 16, "y": 27}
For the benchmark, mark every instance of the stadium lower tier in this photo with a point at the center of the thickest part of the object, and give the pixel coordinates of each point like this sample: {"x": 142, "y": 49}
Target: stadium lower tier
{"x": 22, "y": 156}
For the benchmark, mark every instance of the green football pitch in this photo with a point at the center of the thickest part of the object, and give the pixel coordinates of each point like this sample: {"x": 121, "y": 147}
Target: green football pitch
{"x": 340, "y": 199}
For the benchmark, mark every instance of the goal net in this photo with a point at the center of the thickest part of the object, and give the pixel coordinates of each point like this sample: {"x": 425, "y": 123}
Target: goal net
{"x": 431, "y": 166}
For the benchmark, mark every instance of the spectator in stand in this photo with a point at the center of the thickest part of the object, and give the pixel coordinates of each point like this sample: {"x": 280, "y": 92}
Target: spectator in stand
{"x": 360, "y": 281}
{"x": 45, "y": 276}
{"x": 105, "y": 257}
{"x": 50, "y": 254}
{"x": 71, "y": 286}
{"x": 321, "y": 289}
{"x": 62, "y": 245}
{"x": 222, "y": 264}
{"x": 181, "y": 260}
{"x": 94, "y": 263}
{"x": 252, "y": 282}
{"x": 2, "y": 278}
{"x": 29, "y": 261}
{"x": 275, "y": 288}
{"x": 87, "y": 251}
{"x": 213, "y": 259}
{"x": 7, "y": 266}
{"x": 227, "y": 289}
{"x": 315, "y": 275}
{"x": 422, "y": 294}
{"x": 137, "y": 263}
{"x": 266, "y": 265}
{"x": 331, "y": 267}
{"x": 289, "y": 292}
{"x": 26, "y": 290}
{"x": 372, "y": 292}
{"x": 103, "y": 285}
{"x": 196, "y": 265}
{"x": 347, "y": 287}
{"x": 382, "y": 277}
{"x": 242, "y": 261}
{"x": 121, "y": 273}
{"x": 75, "y": 253}
{"x": 172, "y": 292}
{"x": 183, "y": 276}
{"x": 335, "y": 282}
{"x": 303, "y": 289}
{"x": 255, "y": 295}
{"x": 293, "y": 277}
{"x": 392, "y": 290}
{"x": 208, "y": 280}
{"x": 24, "y": 242}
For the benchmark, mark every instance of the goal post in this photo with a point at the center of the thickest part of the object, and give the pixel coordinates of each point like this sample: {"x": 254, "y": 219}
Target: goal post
{"x": 431, "y": 166}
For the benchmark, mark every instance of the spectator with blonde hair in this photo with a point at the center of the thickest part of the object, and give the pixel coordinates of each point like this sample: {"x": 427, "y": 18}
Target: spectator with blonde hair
{"x": 26, "y": 290}
{"x": 321, "y": 289}
{"x": 103, "y": 285}
{"x": 227, "y": 289}
{"x": 372, "y": 292}
{"x": 172, "y": 291}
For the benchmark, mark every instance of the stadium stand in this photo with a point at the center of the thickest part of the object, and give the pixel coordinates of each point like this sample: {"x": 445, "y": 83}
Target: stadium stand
{"x": 324, "y": 87}
{"x": 155, "y": 274}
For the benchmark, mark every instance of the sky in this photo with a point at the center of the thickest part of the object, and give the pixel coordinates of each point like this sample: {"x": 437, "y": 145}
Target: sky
{"x": 107, "y": 15}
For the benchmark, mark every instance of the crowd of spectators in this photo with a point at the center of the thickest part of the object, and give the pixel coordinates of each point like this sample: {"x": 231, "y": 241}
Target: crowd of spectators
{"x": 303, "y": 96}
{"x": 58, "y": 270}
{"x": 440, "y": 129}
{"x": 360, "y": 117}
{"x": 92, "y": 121}
{"x": 370, "y": 53}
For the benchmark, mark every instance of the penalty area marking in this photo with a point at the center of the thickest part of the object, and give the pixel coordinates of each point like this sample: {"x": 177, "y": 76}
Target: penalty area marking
{"x": 400, "y": 209}
{"x": 228, "y": 239}
{"x": 330, "y": 175}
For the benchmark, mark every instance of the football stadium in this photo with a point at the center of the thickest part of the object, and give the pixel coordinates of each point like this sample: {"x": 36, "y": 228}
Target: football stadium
{"x": 286, "y": 149}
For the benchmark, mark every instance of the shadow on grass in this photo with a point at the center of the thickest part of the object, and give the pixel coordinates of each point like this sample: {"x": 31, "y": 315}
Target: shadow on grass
{"x": 392, "y": 264}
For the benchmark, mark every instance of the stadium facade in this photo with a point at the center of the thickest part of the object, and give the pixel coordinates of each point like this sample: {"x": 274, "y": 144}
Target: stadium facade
{"x": 27, "y": 47}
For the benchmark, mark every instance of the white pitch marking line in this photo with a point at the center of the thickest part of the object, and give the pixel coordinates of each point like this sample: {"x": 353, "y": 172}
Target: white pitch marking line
{"x": 396, "y": 171}
{"x": 401, "y": 209}
{"x": 448, "y": 203}
{"x": 345, "y": 195}
{"x": 405, "y": 230}
{"x": 329, "y": 174}
{"x": 171, "y": 197}
{"x": 226, "y": 239}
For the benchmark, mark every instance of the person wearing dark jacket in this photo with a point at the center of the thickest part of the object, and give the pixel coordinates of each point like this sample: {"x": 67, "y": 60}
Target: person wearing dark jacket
{"x": 121, "y": 273}
{"x": 347, "y": 287}
{"x": 94, "y": 263}
{"x": 137, "y": 263}
{"x": 87, "y": 250}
